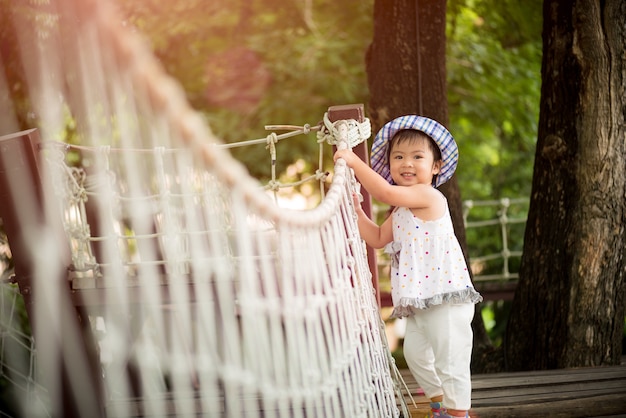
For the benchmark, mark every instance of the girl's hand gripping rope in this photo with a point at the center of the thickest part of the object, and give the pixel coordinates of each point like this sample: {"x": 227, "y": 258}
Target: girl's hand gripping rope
{"x": 348, "y": 155}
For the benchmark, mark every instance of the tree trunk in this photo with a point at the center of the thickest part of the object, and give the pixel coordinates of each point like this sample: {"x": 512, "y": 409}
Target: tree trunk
{"x": 568, "y": 310}
{"x": 403, "y": 81}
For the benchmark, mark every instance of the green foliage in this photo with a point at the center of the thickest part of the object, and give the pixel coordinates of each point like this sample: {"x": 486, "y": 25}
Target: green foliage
{"x": 15, "y": 334}
{"x": 494, "y": 79}
{"x": 494, "y": 315}
{"x": 494, "y": 88}
{"x": 313, "y": 52}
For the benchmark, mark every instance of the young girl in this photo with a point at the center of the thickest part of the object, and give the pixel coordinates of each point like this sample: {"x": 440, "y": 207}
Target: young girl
{"x": 430, "y": 284}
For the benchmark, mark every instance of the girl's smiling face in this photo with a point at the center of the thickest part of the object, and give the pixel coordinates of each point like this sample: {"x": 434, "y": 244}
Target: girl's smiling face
{"x": 412, "y": 159}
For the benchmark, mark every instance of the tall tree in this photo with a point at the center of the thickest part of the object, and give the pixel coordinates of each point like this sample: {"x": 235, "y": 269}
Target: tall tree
{"x": 569, "y": 306}
{"x": 406, "y": 69}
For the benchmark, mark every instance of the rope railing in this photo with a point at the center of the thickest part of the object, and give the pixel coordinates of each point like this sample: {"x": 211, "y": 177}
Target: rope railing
{"x": 486, "y": 220}
{"x": 496, "y": 222}
{"x": 327, "y": 132}
{"x": 75, "y": 187}
{"x": 161, "y": 217}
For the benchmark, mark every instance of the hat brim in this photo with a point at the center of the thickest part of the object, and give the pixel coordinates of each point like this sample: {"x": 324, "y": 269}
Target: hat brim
{"x": 442, "y": 137}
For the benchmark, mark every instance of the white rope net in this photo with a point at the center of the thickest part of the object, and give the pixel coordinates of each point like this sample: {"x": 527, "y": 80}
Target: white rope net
{"x": 187, "y": 291}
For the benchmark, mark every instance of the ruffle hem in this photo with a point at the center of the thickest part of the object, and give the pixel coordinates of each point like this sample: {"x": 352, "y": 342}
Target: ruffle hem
{"x": 406, "y": 305}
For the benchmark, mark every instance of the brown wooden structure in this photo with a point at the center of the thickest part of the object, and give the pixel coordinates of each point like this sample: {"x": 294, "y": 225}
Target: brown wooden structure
{"x": 577, "y": 392}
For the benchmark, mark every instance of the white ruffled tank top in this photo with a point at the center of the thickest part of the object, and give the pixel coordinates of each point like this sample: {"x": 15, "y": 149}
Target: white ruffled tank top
{"x": 427, "y": 264}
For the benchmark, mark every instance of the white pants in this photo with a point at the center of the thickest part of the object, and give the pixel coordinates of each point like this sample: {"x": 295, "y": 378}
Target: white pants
{"x": 438, "y": 351}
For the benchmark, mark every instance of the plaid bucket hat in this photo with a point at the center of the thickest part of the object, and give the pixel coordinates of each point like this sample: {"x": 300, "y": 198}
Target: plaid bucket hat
{"x": 441, "y": 136}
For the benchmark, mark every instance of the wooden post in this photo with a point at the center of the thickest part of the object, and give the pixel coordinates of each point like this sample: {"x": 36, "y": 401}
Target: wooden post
{"x": 24, "y": 215}
{"x": 21, "y": 196}
{"x": 363, "y": 152}
{"x": 356, "y": 112}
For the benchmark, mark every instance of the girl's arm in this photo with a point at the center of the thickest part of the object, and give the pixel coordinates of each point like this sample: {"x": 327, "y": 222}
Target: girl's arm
{"x": 415, "y": 197}
{"x": 375, "y": 236}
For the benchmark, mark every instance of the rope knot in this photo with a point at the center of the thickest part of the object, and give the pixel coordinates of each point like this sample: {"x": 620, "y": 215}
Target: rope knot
{"x": 354, "y": 132}
{"x": 273, "y": 185}
{"x": 321, "y": 175}
{"x": 271, "y": 140}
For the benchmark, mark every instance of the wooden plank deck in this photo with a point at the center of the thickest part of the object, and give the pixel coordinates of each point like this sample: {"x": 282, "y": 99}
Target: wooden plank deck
{"x": 579, "y": 392}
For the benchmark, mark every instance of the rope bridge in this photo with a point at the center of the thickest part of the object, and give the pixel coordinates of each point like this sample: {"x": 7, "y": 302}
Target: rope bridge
{"x": 158, "y": 276}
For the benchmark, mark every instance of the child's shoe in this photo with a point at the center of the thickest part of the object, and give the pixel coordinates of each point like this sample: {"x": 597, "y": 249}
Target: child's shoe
{"x": 436, "y": 410}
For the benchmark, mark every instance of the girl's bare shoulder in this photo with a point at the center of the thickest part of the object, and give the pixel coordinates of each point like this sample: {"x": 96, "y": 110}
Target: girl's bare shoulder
{"x": 432, "y": 207}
